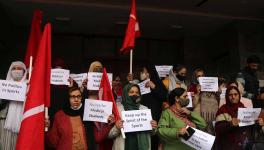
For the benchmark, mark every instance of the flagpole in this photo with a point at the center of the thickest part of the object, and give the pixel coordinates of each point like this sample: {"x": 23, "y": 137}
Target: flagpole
{"x": 46, "y": 117}
{"x": 131, "y": 61}
{"x": 29, "y": 76}
{"x": 30, "y": 67}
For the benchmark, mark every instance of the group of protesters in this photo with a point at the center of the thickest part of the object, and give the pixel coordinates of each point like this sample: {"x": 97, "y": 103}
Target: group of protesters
{"x": 215, "y": 113}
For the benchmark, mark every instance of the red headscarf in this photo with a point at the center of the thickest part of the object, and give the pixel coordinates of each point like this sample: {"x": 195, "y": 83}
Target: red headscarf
{"x": 230, "y": 108}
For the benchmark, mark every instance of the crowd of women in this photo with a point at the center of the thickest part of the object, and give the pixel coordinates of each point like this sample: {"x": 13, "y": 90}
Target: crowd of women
{"x": 215, "y": 113}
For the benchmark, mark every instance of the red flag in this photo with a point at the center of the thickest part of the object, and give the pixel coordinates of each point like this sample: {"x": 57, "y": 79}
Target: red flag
{"x": 132, "y": 31}
{"x": 106, "y": 94}
{"x": 31, "y": 134}
{"x": 34, "y": 37}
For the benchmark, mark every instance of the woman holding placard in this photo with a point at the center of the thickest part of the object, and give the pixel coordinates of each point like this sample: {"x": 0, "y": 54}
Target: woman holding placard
{"x": 228, "y": 133}
{"x": 68, "y": 131}
{"x": 177, "y": 78}
{"x": 100, "y": 129}
{"x": 154, "y": 99}
{"x": 175, "y": 119}
{"x": 11, "y": 115}
{"x": 134, "y": 140}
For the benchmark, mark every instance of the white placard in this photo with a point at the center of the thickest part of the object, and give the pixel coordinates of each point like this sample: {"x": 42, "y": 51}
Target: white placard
{"x": 209, "y": 84}
{"x": 247, "y": 116}
{"x": 190, "y": 98}
{"x": 143, "y": 88}
{"x": 137, "y": 120}
{"x": 11, "y": 90}
{"x": 94, "y": 80}
{"x": 163, "y": 70}
{"x": 79, "y": 78}
{"x": 261, "y": 83}
{"x": 97, "y": 110}
{"x": 59, "y": 77}
{"x": 200, "y": 140}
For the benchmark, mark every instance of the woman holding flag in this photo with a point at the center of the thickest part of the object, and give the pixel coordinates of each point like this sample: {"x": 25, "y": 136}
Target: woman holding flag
{"x": 100, "y": 130}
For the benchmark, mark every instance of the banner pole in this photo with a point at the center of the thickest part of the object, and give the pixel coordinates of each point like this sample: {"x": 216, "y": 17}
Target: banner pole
{"x": 131, "y": 62}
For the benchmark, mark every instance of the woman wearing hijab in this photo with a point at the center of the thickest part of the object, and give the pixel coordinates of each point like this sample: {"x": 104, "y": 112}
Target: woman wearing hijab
{"x": 11, "y": 112}
{"x": 95, "y": 66}
{"x": 131, "y": 99}
{"x": 100, "y": 130}
{"x": 195, "y": 87}
{"x": 173, "y": 121}
{"x": 228, "y": 133}
{"x": 245, "y": 101}
{"x": 154, "y": 99}
{"x": 68, "y": 131}
{"x": 158, "y": 94}
{"x": 117, "y": 88}
{"x": 177, "y": 77}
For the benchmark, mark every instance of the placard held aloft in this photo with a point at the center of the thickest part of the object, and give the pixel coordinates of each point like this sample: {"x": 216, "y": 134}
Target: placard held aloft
{"x": 11, "y": 90}
{"x": 59, "y": 77}
{"x": 94, "y": 80}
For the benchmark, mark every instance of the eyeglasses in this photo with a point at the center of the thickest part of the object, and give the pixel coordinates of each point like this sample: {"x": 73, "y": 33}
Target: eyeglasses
{"x": 75, "y": 96}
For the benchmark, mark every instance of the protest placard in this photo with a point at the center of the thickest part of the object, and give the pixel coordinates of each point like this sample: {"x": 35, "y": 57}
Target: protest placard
{"x": 11, "y": 90}
{"x": 143, "y": 88}
{"x": 163, "y": 70}
{"x": 200, "y": 140}
{"x": 97, "y": 110}
{"x": 94, "y": 80}
{"x": 137, "y": 120}
{"x": 79, "y": 78}
{"x": 59, "y": 77}
{"x": 209, "y": 84}
{"x": 247, "y": 116}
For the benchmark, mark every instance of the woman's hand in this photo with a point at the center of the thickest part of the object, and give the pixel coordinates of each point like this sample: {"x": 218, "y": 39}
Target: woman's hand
{"x": 70, "y": 80}
{"x": 119, "y": 124}
{"x": 150, "y": 84}
{"x": 47, "y": 123}
{"x": 130, "y": 77}
{"x": 235, "y": 122}
{"x": 84, "y": 85}
{"x": 111, "y": 120}
{"x": 260, "y": 122}
{"x": 154, "y": 124}
{"x": 198, "y": 88}
{"x": 183, "y": 131}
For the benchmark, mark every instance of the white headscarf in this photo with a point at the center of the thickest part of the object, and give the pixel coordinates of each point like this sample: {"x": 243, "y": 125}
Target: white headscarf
{"x": 15, "y": 110}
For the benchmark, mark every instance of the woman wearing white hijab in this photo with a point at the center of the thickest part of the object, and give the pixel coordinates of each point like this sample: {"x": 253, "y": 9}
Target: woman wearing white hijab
{"x": 13, "y": 112}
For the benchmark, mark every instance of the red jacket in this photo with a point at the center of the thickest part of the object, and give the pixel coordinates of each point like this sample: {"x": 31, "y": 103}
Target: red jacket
{"x": 60, "y": 136}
